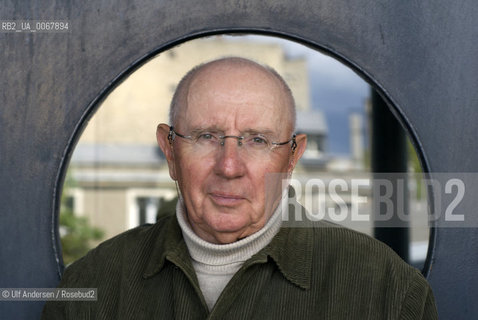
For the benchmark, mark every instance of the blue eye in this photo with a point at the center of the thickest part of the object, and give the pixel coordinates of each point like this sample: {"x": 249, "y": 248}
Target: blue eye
{"x": 259, "y": 140}
{"x": 205, "y": 136}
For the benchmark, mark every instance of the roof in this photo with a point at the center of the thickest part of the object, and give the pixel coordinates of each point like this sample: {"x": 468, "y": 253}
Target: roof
{"x": 117, "y": 154}
{"x": 311, "y": 122}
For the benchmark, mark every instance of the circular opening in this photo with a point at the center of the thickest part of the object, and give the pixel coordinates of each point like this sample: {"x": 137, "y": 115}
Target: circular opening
{"x": 118, "y": 178}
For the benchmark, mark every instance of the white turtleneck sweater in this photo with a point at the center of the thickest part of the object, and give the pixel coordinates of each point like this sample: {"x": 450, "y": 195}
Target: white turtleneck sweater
{"x": 215, "y": 264}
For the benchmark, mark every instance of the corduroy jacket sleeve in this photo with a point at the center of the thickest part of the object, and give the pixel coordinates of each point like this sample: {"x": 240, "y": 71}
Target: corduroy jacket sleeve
{"x": 58, "y": 309}
{"x": 419, "y": 302}
{"x": 80, "y": 274}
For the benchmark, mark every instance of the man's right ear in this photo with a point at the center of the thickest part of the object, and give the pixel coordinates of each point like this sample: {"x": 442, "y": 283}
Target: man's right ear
{"x": 165, "y": 143}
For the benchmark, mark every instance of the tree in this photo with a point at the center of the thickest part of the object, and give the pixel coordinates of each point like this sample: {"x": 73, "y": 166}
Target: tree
{"x": 76, "y": 233}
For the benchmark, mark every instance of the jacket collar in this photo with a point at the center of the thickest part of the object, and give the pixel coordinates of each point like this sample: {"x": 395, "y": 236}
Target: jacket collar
{"x": 290, "y": 249}
{"x": 168, "y": 245}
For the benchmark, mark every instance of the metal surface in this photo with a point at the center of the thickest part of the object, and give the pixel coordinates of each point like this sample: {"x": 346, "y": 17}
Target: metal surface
{"x": 421, "y": 56}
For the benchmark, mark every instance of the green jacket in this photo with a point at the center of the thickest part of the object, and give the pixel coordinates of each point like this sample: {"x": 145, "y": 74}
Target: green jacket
{"x": 323, "y": 272}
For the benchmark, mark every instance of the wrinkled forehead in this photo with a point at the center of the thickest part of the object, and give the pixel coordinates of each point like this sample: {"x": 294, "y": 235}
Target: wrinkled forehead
{"x": 251, "y": 88}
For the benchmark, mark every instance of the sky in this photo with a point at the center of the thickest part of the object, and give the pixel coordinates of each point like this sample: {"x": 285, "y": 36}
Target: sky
{"x": 335, "y": 89}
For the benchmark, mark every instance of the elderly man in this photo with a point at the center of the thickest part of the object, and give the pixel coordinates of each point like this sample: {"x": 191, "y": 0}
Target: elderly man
{"x": 226, "y": 253}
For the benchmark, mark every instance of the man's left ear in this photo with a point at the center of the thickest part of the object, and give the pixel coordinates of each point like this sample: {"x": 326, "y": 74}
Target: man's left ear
{"x": 165, "y": 143}
{"x": 301, "y": 143}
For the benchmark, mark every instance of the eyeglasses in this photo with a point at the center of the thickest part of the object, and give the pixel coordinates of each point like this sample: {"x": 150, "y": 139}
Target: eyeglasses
{"x": 255, "y": 144}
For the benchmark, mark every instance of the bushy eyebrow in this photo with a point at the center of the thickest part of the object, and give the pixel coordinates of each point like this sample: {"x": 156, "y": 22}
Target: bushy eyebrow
{"x": 205, "y": 129}
{"x": 248, "y": 131}
{"x": 264, "y": 132}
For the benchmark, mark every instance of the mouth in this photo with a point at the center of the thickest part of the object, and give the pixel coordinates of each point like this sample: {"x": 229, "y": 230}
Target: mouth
{"x": 226, "y": 199}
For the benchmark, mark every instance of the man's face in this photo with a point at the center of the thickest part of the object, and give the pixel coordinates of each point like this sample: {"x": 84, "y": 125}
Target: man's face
{"x": 225, "y": 192}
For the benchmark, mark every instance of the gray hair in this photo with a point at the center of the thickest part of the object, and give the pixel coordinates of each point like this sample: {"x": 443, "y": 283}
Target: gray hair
{"x": 182, "y": 89}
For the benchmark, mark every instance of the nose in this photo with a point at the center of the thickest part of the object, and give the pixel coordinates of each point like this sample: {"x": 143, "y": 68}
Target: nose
{"x": 229, "y": 162}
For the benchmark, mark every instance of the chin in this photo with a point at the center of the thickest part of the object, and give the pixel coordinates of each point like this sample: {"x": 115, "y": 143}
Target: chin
{"x": 226, "y": 222}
